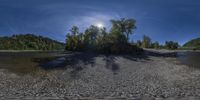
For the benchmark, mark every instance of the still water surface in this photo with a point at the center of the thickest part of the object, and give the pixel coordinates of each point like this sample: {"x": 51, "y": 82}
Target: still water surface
{"x": 27, "y": 62}
{"x": 192, "y": 59}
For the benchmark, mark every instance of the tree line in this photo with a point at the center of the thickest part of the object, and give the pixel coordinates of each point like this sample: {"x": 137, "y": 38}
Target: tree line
{"x": 116, "y": 40}
{"x": 99, "y": 40}
{"x": 147, "y": 43}
{"x": 29, "y": 42}
{"x": 193, "y": 44}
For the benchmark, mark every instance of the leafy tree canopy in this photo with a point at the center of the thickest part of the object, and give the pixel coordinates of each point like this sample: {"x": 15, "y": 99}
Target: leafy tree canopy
{"x": 29, "y": 42}
{"x": 98, "y": 39}
{"x": 193, "y": 44}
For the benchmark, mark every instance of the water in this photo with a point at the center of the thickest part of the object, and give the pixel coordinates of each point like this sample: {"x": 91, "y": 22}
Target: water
{"x": 192, "y": 59}
{"x": 28, "y": 62}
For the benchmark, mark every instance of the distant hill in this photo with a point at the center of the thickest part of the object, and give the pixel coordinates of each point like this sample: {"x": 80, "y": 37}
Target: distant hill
{"x": 29, "y": 42}
{"x": 193, "y": 44}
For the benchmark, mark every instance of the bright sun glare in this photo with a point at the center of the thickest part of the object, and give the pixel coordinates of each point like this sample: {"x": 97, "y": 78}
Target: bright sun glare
{"x": 100, "y": 25}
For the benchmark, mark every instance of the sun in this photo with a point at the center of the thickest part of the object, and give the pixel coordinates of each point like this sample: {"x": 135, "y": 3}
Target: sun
{"x": 99, "y": 25}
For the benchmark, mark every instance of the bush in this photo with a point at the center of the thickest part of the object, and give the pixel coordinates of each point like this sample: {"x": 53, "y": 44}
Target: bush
{"x": 196, "y": 48}
{"x": 171, "y": 45}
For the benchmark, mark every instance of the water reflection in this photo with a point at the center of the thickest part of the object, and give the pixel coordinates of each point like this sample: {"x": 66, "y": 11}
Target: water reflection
{"x": 25, "y": 62}
{"x": 192, "y": 59}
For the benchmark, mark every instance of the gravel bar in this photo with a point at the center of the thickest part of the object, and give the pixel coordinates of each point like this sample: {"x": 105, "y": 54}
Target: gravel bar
{"x": 111, "y": 77}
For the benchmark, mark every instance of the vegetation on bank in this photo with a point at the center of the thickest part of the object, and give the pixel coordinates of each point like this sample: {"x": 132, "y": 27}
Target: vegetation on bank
{"x": 147, "y": 43}
{"x": 115, "y": 41}
{"x": 193, "y": 44}
{"x": 99, "y": 40}
{"x": 29, "y": 42}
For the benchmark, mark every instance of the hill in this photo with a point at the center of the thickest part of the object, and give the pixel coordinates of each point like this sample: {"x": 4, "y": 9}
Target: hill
{"x": 29, "y": 42}
{"x": 193, "y": 44}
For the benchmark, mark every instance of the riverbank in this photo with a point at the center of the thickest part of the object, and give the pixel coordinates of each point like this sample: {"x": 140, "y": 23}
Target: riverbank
{"x": 100, "y": 76}
{"x": 31, "y": 51}
{"x": 153, "y": 50}
{"x": 170, "y": 51}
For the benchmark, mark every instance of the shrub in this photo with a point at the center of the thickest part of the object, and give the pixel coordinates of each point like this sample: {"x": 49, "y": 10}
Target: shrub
{"x": 171, "y": 45}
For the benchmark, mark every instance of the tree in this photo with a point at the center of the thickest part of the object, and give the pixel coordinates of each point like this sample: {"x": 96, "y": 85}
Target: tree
{"x": 130, "y": 27}
{"x": 74, "y": 30}
{"x": 29, "y": 42}
{"x": 155, "y": 45}
{"x": 125, "y": 26}
{"x": 91, "y": 36}
{"x": 171, "y": 45}
{"x": 73, "y": 39}
{"x": 98, "y": 39}
{"x": 139, "y": 43}
{"x": 146, "y": 43}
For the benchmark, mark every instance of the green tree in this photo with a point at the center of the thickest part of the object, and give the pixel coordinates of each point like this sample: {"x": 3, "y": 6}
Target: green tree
{"x": 125, "y": 26}
{"x": 29, "y": 42}
{"x": 90, "y": 36}
{"x": 73, "y": 39}
{"x": 171, "y": 45}
{"x": 146, "y": 43}
{"x": 139, "y": 43}
{"x": 74, "y": 30}
{"x": 98, "y": 39}
{"x": 155, "y": 45}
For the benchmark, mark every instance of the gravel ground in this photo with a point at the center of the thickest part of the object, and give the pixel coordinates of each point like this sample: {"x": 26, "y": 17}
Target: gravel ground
{"x": 107, "y": 78}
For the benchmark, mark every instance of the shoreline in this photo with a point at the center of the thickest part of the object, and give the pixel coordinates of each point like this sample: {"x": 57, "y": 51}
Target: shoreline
{"x": 170, "y": 51}
{"x": 13, "y": 51}
{"x": 146, "y": 49}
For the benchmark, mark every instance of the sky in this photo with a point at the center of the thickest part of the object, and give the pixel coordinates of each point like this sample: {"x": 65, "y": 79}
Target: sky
{"x": 161, "y": 20}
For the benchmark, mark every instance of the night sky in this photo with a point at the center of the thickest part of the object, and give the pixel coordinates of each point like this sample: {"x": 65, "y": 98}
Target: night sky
{"x": 177, "y": 20}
